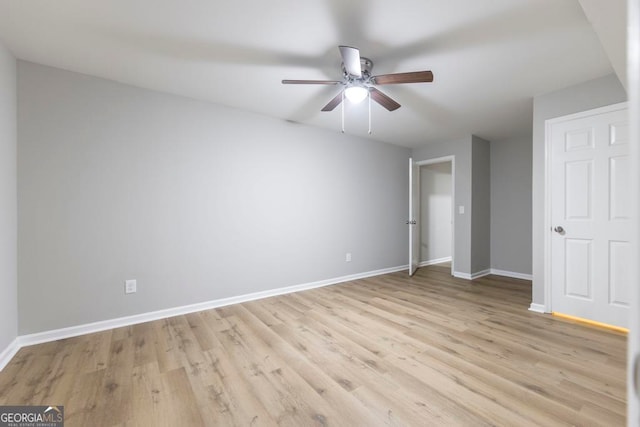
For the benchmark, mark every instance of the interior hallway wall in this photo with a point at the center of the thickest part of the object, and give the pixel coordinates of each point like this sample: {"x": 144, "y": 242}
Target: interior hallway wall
{"x": 511, "y": 205}
{"x": 480, "y": 205}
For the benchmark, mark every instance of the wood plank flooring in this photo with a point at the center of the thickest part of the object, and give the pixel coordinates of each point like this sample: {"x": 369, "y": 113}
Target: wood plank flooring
{"x": 389, "y": 350}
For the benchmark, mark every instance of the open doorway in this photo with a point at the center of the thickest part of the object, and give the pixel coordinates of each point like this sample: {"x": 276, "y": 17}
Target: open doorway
{"x": 436, "y": 203}
{"x": 436, "y": 196}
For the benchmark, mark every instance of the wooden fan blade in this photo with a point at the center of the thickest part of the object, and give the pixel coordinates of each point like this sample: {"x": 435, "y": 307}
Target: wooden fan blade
{"x": 413, "y": 77}
{"x": 351, "y": 60}
{"x": 310, "y": 82}
{"x": 333, "y": 103}
{"x": 383, "y": 99}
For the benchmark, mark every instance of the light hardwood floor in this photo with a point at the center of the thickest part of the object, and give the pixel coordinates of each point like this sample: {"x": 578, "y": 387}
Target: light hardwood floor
{"x": 389, "y": 350}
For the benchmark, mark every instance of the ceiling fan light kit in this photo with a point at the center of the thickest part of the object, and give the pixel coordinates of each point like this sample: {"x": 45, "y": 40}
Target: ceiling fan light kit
{"x": 356, "y": 93}
{"x": 358, "y": 83}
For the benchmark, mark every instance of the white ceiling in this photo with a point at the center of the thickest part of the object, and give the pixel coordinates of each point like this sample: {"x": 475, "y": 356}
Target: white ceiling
{"x": 609, "y": 20}
{"x": 489, "y": 57}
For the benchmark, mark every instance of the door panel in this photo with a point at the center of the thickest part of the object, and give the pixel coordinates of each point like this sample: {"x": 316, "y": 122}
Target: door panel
{"x": 590, "y": 211}
{"x": 619, "y": 203}
{"x": 578, "y": 268}
{"x": 619, "y": 259}
{"x": 619, "y": 133}
{"x": 578, "y": 189}
{"x": 578, "y": 139}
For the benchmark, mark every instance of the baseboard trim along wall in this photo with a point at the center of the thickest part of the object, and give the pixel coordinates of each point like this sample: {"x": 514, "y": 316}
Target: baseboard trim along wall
{"x": 471, "y": 276}
{"x": 89, "y": 328}
{"x": 511, "y": 274}
{"x": 434, "y": 261}
{"x": 488, "y": 271}
{"x": 8, "y": 353}
{"x": 538, "y": 308}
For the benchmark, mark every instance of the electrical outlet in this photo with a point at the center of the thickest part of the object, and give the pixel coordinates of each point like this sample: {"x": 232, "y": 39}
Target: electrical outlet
{"x": 130, "y": 286}
{"x": 347, "y": 258}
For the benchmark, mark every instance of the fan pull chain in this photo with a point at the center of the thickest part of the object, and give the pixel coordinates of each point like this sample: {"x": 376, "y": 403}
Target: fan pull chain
{"x": 369, "y": 96}
{"x": 342, "y": 108}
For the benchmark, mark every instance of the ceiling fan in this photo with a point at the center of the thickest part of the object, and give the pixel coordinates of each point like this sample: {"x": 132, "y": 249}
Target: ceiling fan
{"x": 358, "y": 83}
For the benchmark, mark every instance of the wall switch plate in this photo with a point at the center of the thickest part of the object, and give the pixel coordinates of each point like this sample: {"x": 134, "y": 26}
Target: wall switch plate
{"x": 130, "y": 286}
{"x": 347, "y": 258}
{"x": 461, "y": 209}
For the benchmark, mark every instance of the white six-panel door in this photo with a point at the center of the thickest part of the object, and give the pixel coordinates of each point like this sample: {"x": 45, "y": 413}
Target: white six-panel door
{"x": 590, "y": 215}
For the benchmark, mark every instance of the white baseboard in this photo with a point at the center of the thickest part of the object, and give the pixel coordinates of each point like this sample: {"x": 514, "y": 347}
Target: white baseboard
{"x": 461, "y": 275}
{"x": 434, "y": 261}
{"x": 8, "y": 353}
{"x": 73, "y": 331}
{"x": 479, "y": 274}
{"x": 511, "y": 274}
{"x": 488, "y": 271}
{"x": 538, "y": 308}
{"x": 471, "y": 276}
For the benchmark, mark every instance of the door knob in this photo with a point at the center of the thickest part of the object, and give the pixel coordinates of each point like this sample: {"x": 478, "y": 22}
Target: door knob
{"x": 558, "y": 229}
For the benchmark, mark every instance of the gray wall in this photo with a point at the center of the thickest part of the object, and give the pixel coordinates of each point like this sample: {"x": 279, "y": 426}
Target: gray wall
{"x": 435, "y": 211}
{"x": 511, "y": 204}
{"x": 461, "y": 149}
{"x": 480, "y": 205}
{"x": 8, "y": 201}
{"x": 195, "y": 201}
{"x": 592, "y": 94}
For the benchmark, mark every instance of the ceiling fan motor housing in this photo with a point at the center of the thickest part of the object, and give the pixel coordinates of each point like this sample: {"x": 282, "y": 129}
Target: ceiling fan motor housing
{"x": 366, "y": 65}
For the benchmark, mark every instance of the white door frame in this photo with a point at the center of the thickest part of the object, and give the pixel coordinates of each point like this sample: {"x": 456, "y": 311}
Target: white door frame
{"x": 633, "y": 89}
{"x": 548, "y": 304}
{"x": 414, "y": 213}
{"x": 446, "y": 159}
